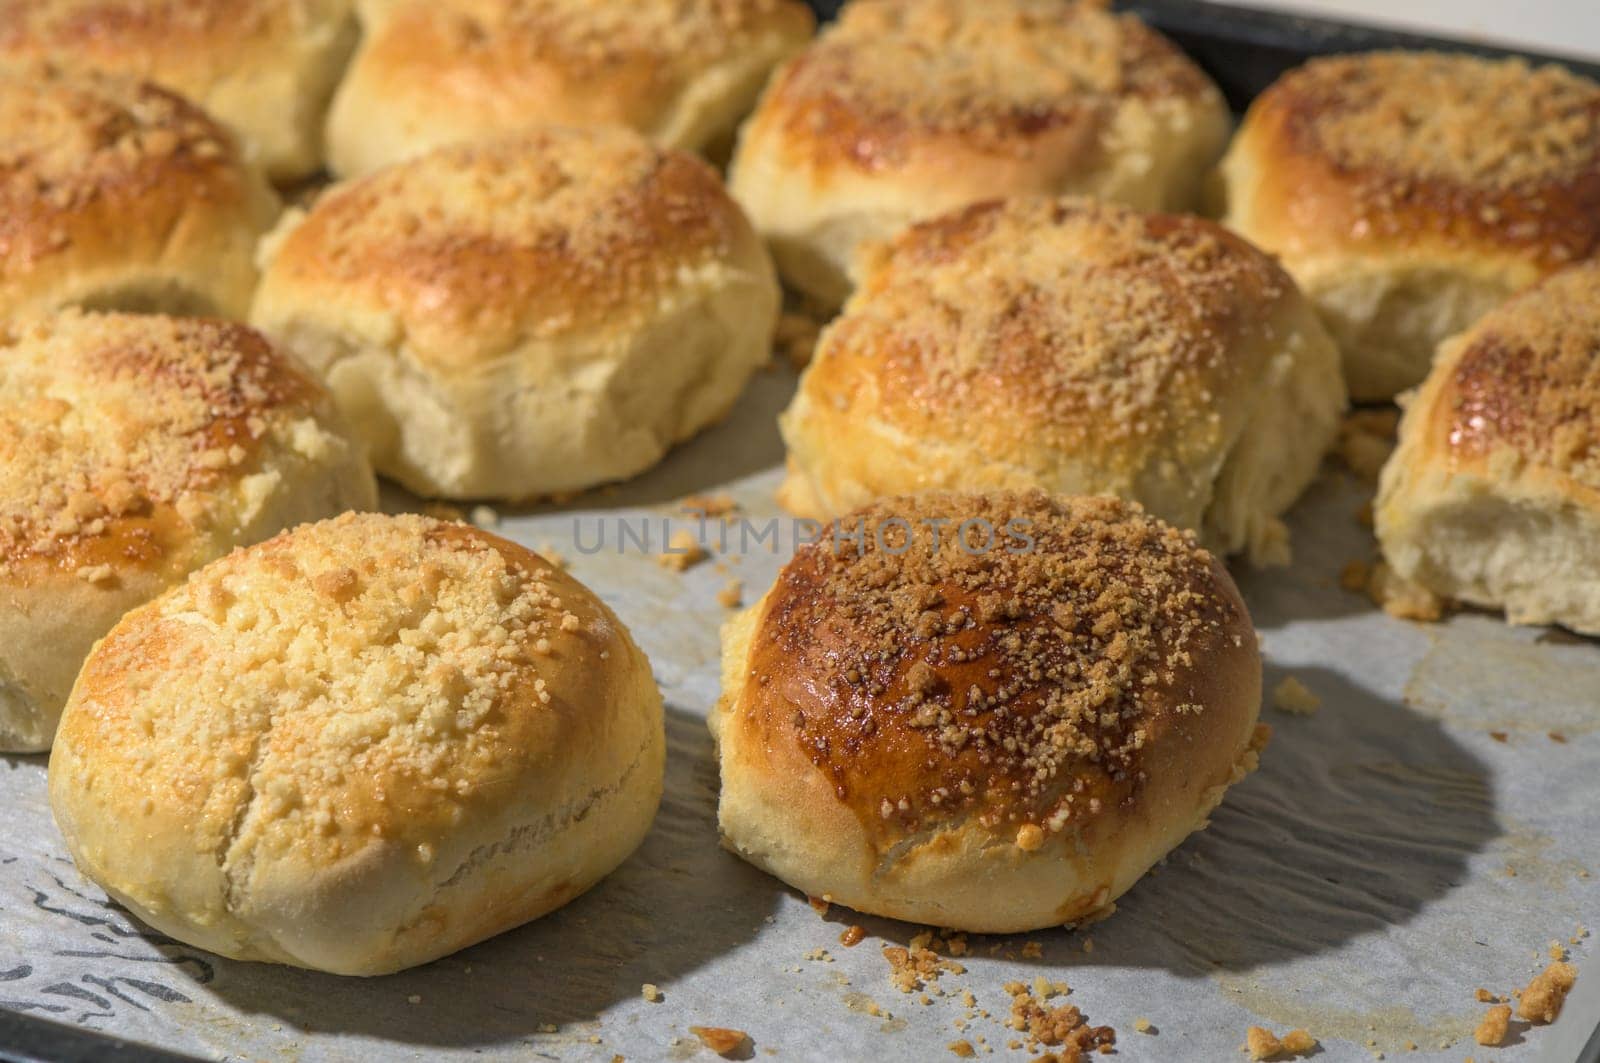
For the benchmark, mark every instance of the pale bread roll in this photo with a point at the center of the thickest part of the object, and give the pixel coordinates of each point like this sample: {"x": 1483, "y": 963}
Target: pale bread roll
{"x": 525, "y": 316}
{"x": 118, "y": 195}
{"x": 433, "y": 72}
{"x": 1411, "y": 192}
{"x": 990, "y": 713}
{"x": 133, "y": 450}
{"x": 1076, "y": 346}
{"x": 263, "y": 68}
{"x": 904, "y": 109}
{"x": 1493, "y": 496}
{"x": 359, "y": 746}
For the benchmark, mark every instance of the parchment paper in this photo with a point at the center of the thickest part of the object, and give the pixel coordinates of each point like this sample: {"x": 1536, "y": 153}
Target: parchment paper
{"x": 1419, "y": 837}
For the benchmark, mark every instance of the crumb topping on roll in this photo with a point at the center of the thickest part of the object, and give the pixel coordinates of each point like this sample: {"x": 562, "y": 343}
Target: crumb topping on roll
{"x": 1018, "y": 683}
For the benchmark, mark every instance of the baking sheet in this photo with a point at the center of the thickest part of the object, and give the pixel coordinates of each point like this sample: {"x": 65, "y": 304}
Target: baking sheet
{"x": 1392, "y": 855}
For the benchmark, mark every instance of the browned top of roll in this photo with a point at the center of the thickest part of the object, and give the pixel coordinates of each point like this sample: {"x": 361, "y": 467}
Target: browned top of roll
{"x": 92, "y": 151}
{"x": 545, "y": 231}
{"x": 1098, "y": 329}
{"x": 114, "y": 426}
{"x": 1528, "y": 377}
{"x": 1431, "y": 145}
{"x": 998, "y": 74}
{"x": 1023, "y": 682}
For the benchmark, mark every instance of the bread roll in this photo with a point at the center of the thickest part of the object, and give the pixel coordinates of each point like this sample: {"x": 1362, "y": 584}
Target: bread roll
{"x": 432, "y": 72}
{"x": 991, "y": 713}
{"x": 133, "y": 450}
{"x": 264, "y": 68}
{"x": 1493, "y": 495}
{"x": 359, "y": 746}
{"x": 909, "y": 108}
{"x": 1076, "y": 346}
{"x": 1410, "y": 192}
{"x": 525, "y": 316}
{"x": 115, "y": 194}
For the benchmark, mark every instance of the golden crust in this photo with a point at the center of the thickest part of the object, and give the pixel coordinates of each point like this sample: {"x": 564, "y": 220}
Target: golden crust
{"x": 476, "y": 67}
{"x": 472, "y": 248}
{"x": 1070, "y": 344}
{"x": 1393, "y": 150}
{"x": 111, "y": 188}
{"x": 938, "y": 712}
{"x": 379, "y": 695}
{"x": 892, "y": 73}
{"x": 263, "y": 67}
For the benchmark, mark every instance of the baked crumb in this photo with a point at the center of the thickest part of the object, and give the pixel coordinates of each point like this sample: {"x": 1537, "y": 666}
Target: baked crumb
{"x": 1483, "y": 996}
{"x": 1366, "y": 439}
{"x": 1557, "y": 951}
{"x": 1400, "y": 598}
{"x": 917, "y": 967}
{"x": 444, "y": 511}
{"x": 731, "y": 596}
{"x": 820, "y": 905}
{"x": 1295, "y": 698}
{"x": 720, "y": 505}
{"x": 486, "y": 516}
{"x": 1263, "y": 1044}
{"x": 962, "y": 1048}
{"x": 96, "y": 574}
{"x": 650, "y": 992}
{"x": 1492, "y": 1030}
{"x": 1029, "y": 837}
{"x": 852, "y": 936}
{"x": 1143, "y": 1026}
{"x": 722, "y": 1040}
{"x": 1063, "y": 1026}
{"x": 1542, "y": 999}
{"x": 683, "y": 552}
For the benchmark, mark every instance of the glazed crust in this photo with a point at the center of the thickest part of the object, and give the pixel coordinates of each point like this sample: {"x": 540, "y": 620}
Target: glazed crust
{"x": 118, "y": 194}
{"x": 989, "y": 741}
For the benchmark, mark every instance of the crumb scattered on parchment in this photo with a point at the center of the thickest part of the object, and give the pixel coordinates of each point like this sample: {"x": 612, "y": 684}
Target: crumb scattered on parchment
{"x": 1143, "y": 1026}
{"x": 820, "y": 905}
{"x": 552, "y": 555}
{"x": 919, "y": 965}
{"x": 796, "y": 337}
{"x": 962, "y": 1048}
{"x": 1061, "y": 1026}
{"x": 1263, "y": 1044}
{"x": 852, "y": 935}
{"x": 731, "y": 596}
{"x": 443, "y": 511}
{"x": 1557, "y": 951}
{"x": 683, "y": 552}
{"x": 1366, "y": 439}
{"x": 1542, "y": 999}
{"x": 819, "y": 955}
{"x": 709, "y": 505}
{"x": 651, "y": 992}
{"x": 1492, "y": 1030}
{"x": 1483, "y": 996}
{"x": 1395, "y": 596}
{"x": 722, "y": 1040}
{"x": 486, "y": 516}
{"x": 1294, "y": 697}
{"x": 1558, "y": 738}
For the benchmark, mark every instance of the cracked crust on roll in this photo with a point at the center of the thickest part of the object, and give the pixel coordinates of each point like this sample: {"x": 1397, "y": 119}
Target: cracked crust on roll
{"x": 989, "y": 740}
{"x": 681, "y": 73}
{"x": 263, "y": 68}
{"x": 1493, "y": 495}
{"x": 359, "y": 746}
{"x": 907, "y": 108}
{"x": 1410, "y": 192}
{"x": 116, "y": 194}
{"x": 1077, "y": 346}
{"x": 133, "y": 450}
{"x": 524, "y": 316}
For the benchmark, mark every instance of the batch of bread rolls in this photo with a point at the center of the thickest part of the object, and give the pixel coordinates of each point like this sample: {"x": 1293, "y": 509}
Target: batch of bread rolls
{"x": 288, "y": 728}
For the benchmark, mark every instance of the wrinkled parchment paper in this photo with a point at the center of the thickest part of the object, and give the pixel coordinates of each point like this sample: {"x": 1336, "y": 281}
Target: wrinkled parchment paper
{"x": 1419, "y": 837}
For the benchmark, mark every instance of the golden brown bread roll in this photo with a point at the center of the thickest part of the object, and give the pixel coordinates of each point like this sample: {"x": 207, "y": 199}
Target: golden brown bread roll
{"x": 525, "y": 316}
{"x": 264, "y": 68}
{"x": 1077, "y": 346}
{"x": 133, "y": 450}
{"x": 1493, "y": 495}
{"x": 985, "y": 712}
{"x": 904, "y": 109}
{"x": 359, "y": 746}
{"x": 1410, "y": 192}
{"x": 432, "y": 72}
{"x": 115, "y": 194}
